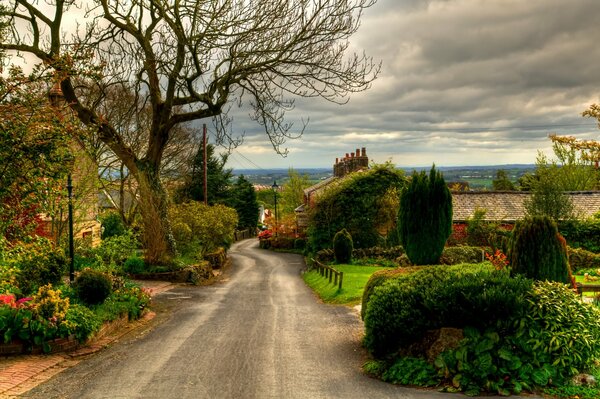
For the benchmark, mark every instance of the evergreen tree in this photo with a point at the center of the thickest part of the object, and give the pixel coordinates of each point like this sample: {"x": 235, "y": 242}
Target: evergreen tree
{"x": 243, "y": 200}
{"x": 425, "y": 217}
{"x": 501, "y": 182}
{"x": 218, "y": 178}
{"x": 538, "y": 251}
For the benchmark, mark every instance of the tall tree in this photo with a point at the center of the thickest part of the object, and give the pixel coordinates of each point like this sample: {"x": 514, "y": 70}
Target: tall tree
{"x": 425, "y": 217}
{"x": 243, "y": 200}
{"x": 502, "y": 182}
{"x": 218, "y": 177}
{"x": 188, "y": 60}
{"x": 292, "y": 192}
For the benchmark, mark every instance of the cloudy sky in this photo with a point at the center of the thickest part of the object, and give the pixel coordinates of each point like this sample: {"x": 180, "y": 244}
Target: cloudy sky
{"x": 463, "y": 82}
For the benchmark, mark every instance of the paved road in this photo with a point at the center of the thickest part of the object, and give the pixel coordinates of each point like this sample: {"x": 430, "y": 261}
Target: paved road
{"x": 261, "y": 334}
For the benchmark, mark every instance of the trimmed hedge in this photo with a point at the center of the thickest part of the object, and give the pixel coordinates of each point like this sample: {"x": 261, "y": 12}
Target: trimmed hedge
{"x": 462, "y": 254}
{"x": 584, "y": 234}
{"x": 402, "y": 309}
{"x": 581, "y": 259}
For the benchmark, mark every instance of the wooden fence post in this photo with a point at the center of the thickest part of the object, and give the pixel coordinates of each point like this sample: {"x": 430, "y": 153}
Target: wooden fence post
{"x": 341, "y": 277}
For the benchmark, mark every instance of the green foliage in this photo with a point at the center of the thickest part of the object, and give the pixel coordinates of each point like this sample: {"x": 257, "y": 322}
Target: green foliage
{"x": 400, "y": 310}
{"x": 202, "y": 228}
{"x": 502, "y": 182}
{"x": 92, "y": 287}
{"x": 342, "y": 246}
{"x": 560, "y": 329}
{"x": 86, "y": 321}
{"x": 300, "y": 243}
{"x": 112, "y": 225}
{"x": 134, "y": 265}
{"x": 580, "y": 259}
{"x": 548, "y": 197}
{"x": 130, "y": 300}
{"x": 38, "y": 263}
{"x": 538, "y": 251}
{"x": 218, "y": 178}
{"x": 114, "y": 251}
{"x": 583, "y": 234}
{"x": 292, "y": 193}
{"x": 360, "y": 204}
{"x": 484, "y": 233}
{"x": 242, "y": 198}
{"x": 377, "y": 279}
{"x": 461, "y": 254}
{"x": 573, "y": 392}
{"x": 33, "y": 153}
{"x": 425, "y": 217}
{"x": 411, "y": 371}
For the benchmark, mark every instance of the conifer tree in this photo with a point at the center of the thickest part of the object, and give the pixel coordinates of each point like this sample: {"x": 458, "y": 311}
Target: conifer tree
{"x": 425, "y": 217}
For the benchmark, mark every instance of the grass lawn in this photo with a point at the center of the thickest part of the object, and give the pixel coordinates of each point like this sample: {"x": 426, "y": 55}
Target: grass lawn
{"x": 355, "y": 278}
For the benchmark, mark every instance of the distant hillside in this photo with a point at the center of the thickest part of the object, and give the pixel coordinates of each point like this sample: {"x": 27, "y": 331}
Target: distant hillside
{"x": 478, "y": 177}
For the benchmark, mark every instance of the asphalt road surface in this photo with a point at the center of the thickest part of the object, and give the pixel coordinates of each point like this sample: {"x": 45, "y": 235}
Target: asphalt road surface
{"x": 260, "y": 334}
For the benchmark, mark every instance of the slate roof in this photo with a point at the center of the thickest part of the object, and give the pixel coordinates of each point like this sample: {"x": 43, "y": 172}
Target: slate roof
{"x": 508, "y": 205}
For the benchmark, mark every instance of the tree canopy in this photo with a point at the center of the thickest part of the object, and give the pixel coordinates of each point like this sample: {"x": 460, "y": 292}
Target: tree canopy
{"x": 190, "y": 60}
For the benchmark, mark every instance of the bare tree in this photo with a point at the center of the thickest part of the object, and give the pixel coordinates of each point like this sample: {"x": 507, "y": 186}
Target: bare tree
{"x": 189, "y": 60}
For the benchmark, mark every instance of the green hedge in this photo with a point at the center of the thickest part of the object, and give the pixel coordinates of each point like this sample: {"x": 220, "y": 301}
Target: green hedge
{"x": 580, "y": 259}
{"x": 403, "y": 308}
{"x": 584, "y": 234}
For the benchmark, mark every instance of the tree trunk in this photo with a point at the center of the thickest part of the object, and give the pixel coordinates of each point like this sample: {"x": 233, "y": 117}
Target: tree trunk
{"x": 158, "y": 238}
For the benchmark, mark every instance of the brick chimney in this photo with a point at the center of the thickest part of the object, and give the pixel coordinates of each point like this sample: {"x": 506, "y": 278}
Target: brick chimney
{"x": 352, "y": 162}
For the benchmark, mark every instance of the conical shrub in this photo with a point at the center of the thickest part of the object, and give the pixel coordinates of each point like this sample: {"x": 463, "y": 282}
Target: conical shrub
{"x": 425, "y": 217}
{"x": 538, "y": 251}
{"x": 343, "y": 246}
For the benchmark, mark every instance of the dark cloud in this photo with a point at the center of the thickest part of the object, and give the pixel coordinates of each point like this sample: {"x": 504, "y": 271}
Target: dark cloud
{"x": 463, "y": 82}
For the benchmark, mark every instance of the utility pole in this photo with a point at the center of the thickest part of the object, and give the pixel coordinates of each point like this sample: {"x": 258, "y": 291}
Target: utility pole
{"x": 204, "y": 164}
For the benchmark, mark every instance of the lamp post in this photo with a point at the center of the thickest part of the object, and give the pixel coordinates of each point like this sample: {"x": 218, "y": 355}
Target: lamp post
{"x": 275, "y": 187}
{"x": 71, "y": 248}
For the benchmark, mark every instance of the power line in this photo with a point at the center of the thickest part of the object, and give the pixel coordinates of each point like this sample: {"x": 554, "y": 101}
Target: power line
{"x": 243, "y": 156}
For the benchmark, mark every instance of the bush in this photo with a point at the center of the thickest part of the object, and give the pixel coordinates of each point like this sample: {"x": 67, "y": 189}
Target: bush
{"x": 134, "y": 265}
{"x": 282, "y": 242}
{"x": 299, "y": 243}
{"x": 38, "y": 264}
{"x": 92, "y": 287}
{"x": 400, "y": 310}
{"x": 342, "y": 246}
{"x": 584, "y": 234}
{"x": 115, "y": 250}
{"x": 377, "y": 279}
{"x": 85, "y": 321}
{"x": 203, "y": 228}
{"x": 461, "y": 254}
{"x": 112, "y": 225}
{"x": 538, "y": 251}
{"x": 580, "y": 259}
{"x": 425, "y": 217}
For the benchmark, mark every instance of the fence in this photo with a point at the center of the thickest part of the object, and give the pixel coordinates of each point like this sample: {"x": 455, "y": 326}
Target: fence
{"x": 587, "y": 288}
{"x": 330, "y": 273}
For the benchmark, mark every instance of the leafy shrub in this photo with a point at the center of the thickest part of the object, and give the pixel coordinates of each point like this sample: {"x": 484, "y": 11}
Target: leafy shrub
{"x": 299, "y": 243}
{"x": 584, "y": 234}
{"x": 205, "y": 227}
{"x": 411, "y": 371}
{"x": 461, "y": 254}
{"x": 130, "y": 300}
{"x": 538, "y": 251}
{"x": 378, "y": 253}
{"x": 112, "y": 225}
{"x": 377, "y": 279}
{"x": 92, "y": 287}
{"x": 282, "y": 242}
{"x": 38, "y": 264}
{"x": 580, "y": 259}
{"x": 134, "y": 265}
{"x": 425, "y": 217}
{"x": 115, "y": 250}
{"x": 342, "y": 246}
{"x": 85, "y": 321}
{"x": 403, "y": 308}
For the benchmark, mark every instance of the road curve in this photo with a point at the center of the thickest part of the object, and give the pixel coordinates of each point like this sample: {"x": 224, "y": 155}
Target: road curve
{"x": 261, "y": 334}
